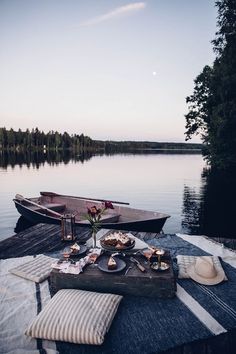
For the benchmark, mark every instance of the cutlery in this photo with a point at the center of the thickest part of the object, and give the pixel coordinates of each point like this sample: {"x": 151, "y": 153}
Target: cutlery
{"x": 138, "y": 264}
{"x": 127, "y": 270}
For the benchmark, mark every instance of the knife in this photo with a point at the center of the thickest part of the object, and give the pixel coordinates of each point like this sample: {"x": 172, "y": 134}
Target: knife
{"x": 138, "y": 264}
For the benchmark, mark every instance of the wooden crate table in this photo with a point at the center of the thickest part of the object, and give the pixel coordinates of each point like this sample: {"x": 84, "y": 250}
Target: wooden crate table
{"x": 150, "y": 283}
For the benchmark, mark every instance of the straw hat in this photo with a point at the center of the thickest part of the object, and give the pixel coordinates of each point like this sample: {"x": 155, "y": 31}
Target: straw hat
{"x": 204, "y": 272}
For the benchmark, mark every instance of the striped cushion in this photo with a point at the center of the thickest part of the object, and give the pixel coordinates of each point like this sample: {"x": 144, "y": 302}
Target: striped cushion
{"x": 76, "y": 316}
{"x": 36, "y": 270}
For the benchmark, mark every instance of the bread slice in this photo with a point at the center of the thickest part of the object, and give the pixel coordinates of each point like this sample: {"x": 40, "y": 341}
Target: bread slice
{"x": 111, "y": 265}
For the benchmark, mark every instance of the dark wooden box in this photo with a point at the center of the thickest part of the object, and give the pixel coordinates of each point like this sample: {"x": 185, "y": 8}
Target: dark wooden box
{"x": 150, "y": 283}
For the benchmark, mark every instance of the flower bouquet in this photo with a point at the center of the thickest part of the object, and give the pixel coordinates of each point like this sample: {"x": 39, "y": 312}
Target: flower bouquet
{"x": 94, "y": 217}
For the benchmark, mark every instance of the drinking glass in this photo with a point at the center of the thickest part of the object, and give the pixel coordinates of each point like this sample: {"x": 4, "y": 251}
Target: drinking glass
{"x": 148, "y": 254}
{"x": 93, "y": 257}
{"x": 66, "y": 252}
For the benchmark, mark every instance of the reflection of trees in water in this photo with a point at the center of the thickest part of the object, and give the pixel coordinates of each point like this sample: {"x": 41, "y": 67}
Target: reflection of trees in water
{"x": 212, "y": 211}
{"x": 53, "y": 157}
{"x": 37, "y": 158}
{"x": 191, "y": 211}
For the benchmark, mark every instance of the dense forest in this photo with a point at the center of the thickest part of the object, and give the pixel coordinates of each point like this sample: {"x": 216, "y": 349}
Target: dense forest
{"x": 212, "y": 106}
{"x": 36, "y": 140}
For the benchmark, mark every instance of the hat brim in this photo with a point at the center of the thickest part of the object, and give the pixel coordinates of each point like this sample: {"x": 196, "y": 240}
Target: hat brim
{"x": 205, "y": 281}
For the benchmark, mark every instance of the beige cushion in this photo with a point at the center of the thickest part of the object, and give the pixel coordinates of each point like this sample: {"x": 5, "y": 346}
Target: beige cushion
{"x": 184, "y": 262}
{"x": 36, "y": 270}
{"x": 76, "y": 316}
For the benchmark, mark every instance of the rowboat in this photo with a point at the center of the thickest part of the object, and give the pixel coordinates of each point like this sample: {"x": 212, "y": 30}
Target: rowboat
{"x": 49, "y": 208}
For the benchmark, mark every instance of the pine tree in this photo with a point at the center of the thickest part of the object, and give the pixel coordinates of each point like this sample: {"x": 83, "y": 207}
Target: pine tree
{"x": 212, "y": 107}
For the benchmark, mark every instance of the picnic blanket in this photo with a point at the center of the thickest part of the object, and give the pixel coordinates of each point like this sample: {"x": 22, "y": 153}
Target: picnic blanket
{"x": 20, "y": 301}
{"x": 198, "y": 314}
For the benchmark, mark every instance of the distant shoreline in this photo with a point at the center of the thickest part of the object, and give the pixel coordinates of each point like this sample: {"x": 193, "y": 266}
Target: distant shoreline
{"x": 36, "y": 140}
{"x": 168, "y": 149}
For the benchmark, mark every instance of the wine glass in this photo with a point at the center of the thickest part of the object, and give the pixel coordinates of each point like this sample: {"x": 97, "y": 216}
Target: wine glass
{"x": 66, "y": 252}
{"x": 148, "y": 252}
{"x": 93, "y": 257}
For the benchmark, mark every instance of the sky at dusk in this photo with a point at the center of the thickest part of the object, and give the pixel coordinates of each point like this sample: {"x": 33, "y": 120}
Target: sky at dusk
{"x": 111, "y": 69}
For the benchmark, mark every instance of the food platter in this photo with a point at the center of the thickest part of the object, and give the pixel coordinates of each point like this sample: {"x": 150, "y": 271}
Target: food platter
{"x": 117, "y": 249}
{"x": 117, "y": 246}
{"x": 103, "y": 265}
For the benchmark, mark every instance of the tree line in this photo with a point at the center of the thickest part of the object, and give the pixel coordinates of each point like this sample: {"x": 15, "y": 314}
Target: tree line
{"x": 212, "y": 106}
{"x": 36, "y": 140}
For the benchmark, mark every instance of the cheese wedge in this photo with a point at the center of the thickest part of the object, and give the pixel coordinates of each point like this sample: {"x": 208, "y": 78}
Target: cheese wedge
{"x": 111, "y": 265}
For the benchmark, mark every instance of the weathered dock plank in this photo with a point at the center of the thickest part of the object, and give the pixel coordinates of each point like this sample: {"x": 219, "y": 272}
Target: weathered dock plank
{"x": 40, "y": 238}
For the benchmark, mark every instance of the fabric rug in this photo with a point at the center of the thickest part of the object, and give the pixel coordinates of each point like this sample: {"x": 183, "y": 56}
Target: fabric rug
{"x": 198, "y": 314}
{"x": 20, "y": 301}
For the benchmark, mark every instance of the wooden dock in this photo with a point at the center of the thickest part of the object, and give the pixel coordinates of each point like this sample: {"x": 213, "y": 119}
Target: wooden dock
{"x": 44, "y": 238}
{"x": 37, "y": 239}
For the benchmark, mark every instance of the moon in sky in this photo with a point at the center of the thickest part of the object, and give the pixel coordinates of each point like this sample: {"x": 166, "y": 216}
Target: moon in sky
{"x": 154, "y": 73}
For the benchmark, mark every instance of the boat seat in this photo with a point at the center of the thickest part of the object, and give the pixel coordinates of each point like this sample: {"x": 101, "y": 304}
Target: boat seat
{"x": 52, "y": 206}
{"x": 55, "y": 206}
{"x": 107, "y": 218}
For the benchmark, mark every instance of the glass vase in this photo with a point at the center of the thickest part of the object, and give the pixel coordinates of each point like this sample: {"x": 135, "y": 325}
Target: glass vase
{"x": 94, "y": 239}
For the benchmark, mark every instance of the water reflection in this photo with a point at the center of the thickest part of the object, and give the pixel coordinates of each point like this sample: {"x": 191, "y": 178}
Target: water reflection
{"x": 191, "y": 211}
{"x": 200, "y": 201}
{"x": 22, "y": 224}
{"x": 212, "y": 210}
{"x": 37, "y": 158}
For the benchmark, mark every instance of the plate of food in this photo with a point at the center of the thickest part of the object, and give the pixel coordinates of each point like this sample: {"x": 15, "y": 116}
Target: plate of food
{"x": 117, "y": 241}
{"x": 77, "y": 250}
{"x": 111, "y": 264}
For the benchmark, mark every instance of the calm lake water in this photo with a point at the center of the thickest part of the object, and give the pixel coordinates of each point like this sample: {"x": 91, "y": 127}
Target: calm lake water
{"x": 180, "y": 185}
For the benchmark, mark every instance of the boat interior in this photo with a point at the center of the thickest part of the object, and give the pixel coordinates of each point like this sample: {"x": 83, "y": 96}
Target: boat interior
{"x": 78, "y": 207}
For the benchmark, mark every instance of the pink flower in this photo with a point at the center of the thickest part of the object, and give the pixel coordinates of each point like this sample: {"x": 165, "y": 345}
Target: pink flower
{"x": 93, "y": 211}
{"x": 94, "y": 214}
{"x": 108, "y": 205}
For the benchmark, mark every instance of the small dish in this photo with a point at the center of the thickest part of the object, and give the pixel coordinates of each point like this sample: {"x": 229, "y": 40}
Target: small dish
{"x": 102, "y": 265}
{"x": 160, "y": 268}
{"x": 72, "y": 254}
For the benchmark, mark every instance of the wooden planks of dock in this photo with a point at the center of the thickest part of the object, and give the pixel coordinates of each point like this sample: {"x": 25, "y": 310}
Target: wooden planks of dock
{"x": 44, "y": 238}
{"x": 41, "y": 238}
